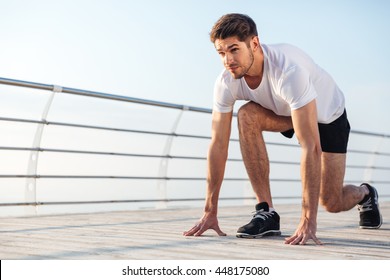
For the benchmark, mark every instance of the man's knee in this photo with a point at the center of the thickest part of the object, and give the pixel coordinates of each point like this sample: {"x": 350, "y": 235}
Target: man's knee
{"x": 331, "y": 204}
{"x": 246, "y": 115}
{"x": 246, "y": 110}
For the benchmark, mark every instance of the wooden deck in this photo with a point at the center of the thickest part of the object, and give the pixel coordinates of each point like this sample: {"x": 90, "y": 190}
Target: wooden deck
{"x": 157, "y": 234}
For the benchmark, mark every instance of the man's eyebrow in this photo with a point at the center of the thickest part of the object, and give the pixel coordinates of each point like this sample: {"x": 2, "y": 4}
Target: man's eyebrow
{"x": 229, "y": 47}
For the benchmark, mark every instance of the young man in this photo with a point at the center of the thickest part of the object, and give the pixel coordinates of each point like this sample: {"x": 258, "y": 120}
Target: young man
{"x": 287, "y": 93}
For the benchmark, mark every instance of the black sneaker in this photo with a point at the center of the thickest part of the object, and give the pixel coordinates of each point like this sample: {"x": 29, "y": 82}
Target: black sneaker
{"x": 370, "y": 217}
{"x": 264, "y": 223}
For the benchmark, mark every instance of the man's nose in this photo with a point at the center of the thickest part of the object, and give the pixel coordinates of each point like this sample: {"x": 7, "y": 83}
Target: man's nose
{"x": 227, "y": 59}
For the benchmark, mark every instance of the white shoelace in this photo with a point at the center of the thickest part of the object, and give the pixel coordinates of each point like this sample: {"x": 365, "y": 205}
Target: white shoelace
{"x": 366, "y": 206}
{"x": 262, "y": 214}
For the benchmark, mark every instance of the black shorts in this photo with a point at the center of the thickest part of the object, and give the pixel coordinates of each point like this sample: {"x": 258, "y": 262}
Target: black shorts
{"x": 334, "y": 136}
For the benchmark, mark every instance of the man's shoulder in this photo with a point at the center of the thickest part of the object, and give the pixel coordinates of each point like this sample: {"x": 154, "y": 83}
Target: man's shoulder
{"x": 281, "y": 48}
{"x": 225, "y": 79}
{"x": 286, "y": 58}
{"x": 224, "y": 92}
{"x": 224, "y": 76}
{"x": 285, "y": 53}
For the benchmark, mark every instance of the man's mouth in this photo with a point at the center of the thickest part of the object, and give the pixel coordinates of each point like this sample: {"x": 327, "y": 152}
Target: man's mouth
{"x": 232, "y": 67}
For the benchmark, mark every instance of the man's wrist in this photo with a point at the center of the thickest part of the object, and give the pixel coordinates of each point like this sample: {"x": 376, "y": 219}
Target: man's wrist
{"x": 211, "y": 209}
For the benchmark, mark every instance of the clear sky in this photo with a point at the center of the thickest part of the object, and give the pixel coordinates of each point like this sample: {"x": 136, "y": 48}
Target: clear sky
{"x": 160, "y": 49}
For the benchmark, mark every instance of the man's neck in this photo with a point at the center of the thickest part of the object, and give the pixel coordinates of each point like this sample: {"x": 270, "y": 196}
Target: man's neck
{"x": 255, "y": 74}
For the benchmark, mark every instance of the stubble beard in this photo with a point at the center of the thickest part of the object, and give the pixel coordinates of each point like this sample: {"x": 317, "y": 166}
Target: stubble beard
{"x": 245, "y": 70}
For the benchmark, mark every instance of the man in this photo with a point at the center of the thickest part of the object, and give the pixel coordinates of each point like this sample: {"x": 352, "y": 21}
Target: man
{"x": 287, "y": 93}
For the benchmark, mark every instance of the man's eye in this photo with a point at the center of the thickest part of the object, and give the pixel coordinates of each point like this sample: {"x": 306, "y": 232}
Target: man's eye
{"x": 234, "y": 50}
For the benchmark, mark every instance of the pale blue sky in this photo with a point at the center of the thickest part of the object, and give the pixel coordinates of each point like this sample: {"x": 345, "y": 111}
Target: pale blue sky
{"x": 160, "y": 49}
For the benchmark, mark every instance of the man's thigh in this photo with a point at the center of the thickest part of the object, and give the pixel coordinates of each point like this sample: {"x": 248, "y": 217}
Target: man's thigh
{"x": 252, "y": 112}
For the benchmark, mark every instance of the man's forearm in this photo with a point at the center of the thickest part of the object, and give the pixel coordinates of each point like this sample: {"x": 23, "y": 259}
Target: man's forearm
{"x": 216, "y": 169}
{"x": 311, "y": 181}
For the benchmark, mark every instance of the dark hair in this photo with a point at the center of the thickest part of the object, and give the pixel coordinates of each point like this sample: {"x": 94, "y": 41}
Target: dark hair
{"x": 230, "y": 25}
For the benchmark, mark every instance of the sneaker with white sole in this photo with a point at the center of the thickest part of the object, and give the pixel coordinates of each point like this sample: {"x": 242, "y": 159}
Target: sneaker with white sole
{"x": 263, "y": 223}
{"x": 370, "y": 216}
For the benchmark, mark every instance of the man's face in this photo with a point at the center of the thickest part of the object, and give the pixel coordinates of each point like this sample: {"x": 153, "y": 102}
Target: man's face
{"x": 236, "y": 56}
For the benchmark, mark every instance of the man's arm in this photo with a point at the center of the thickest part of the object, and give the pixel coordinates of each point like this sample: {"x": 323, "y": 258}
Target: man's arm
{"x": 217, "y": 156}
{"x": 306, "y": 128}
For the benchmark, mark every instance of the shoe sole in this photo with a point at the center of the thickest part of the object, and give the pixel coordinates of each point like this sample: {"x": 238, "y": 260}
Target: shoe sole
{"x": 373, "y": 227}
{"x": 368, "y": 227}
{"x": 267, "y": 233}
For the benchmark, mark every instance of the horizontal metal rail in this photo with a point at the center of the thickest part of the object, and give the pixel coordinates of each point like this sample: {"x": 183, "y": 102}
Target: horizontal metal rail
{"x": 120, "y": 154}
{"x": 164, "y": 133}
{"x": 49, "y": 150}
{"x": 37, "y": 176}
{"x": 127, "y": 201}
{"x": 80, "y": 92}
{"x": 128, "y": 130}
{"x": 57, "y": 203}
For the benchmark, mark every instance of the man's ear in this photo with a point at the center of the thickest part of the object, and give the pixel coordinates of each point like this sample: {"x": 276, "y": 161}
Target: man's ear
{"x": 255, "y": 42}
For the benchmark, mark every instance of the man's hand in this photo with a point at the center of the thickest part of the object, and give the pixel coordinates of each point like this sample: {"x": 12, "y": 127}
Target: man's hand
{"x": 208, "y": 221}
{"x": 305, "y": 231}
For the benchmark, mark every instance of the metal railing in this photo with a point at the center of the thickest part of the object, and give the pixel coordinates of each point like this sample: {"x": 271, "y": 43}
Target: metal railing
{"x": 32, "y": 174}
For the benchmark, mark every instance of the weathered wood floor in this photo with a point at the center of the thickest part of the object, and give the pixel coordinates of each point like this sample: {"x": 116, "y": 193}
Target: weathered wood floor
{"x": 157, "y": 234}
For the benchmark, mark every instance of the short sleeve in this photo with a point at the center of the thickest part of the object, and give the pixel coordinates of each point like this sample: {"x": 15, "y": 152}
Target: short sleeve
{"x": 297, "y": 88}
{"x": 223, "y": 98}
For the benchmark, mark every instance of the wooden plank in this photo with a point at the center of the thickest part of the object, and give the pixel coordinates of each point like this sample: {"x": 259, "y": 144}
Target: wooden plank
{"x": 157, "y": 234}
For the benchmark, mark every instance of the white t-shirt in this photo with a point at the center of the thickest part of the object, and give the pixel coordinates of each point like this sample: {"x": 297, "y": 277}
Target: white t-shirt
{"x": 290, "y": 80}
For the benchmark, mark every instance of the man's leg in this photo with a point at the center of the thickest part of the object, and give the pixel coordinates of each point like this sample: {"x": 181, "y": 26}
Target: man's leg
{"x": 253, "y": 119}
{"x": 334, "y": 196}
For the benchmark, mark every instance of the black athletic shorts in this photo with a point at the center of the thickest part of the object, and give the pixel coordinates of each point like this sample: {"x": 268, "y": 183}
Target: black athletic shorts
{"x": 334, "y": 136}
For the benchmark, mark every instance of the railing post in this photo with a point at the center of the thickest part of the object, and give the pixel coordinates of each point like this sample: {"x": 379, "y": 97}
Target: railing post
{"x": 32, "y": 167}
{"x": 164, "y": 163}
